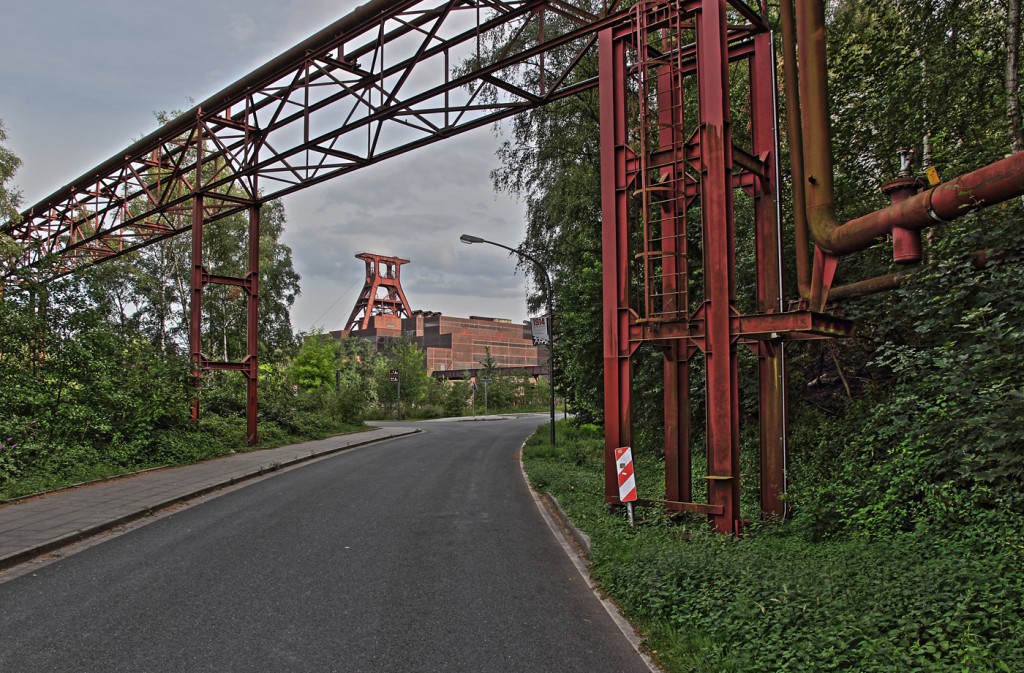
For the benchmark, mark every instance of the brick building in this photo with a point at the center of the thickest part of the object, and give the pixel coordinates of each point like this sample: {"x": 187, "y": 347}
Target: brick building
{"x": 455, "y": 347}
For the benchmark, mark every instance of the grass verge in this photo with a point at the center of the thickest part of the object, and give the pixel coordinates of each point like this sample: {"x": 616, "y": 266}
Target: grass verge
{"x": 213, "y": 437}
{"x": 775, "y": 600}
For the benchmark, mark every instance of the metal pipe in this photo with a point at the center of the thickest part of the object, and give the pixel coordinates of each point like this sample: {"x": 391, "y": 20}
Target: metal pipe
{"x": 986, "y": 186}
{"x": 820, "y": 196}
{"x": 863, "y": 288}
{"x": 795, "y": 139}
{"x": 979, "y": 259}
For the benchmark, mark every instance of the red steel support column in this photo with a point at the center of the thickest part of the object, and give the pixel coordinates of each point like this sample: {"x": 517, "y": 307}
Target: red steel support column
{"x": 615, "y": 254}
{"x": 717, "y": 213}
{"x": 678, "y": 479}
{"x": 251, "y": 364}
{"x": 195, "y": 325}
{"x": 676, "y": 365}
{"x": 771, "y": 363}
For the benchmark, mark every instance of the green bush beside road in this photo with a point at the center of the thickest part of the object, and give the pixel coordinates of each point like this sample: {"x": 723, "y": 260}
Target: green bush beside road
{"x": 783, "y": 599}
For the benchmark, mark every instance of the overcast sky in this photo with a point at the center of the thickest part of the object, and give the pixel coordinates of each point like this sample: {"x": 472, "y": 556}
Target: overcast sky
{"x": 80, "y": 80}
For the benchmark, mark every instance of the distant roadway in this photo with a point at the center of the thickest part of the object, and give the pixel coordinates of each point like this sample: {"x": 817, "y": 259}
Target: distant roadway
{"x": 421, "y": 554}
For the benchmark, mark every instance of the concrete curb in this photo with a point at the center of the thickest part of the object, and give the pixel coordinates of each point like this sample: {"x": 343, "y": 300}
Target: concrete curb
{"x": 90, "y": 531}
{"x": 566, "y": 534}
{"x": 581, "y": 538}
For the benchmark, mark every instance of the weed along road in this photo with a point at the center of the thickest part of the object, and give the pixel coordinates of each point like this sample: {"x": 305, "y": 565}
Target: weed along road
{"x": 425, "y": 553}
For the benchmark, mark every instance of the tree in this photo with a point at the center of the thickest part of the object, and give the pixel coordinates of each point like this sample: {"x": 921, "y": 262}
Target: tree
{"x": 1016, "y": 125}
{"x": 314, "y": 364}
{"x": 552, "y": 161}
{"x": 928, "y": 433}
{"x": 410, "y": 362}
{"x": 9, "y": 200}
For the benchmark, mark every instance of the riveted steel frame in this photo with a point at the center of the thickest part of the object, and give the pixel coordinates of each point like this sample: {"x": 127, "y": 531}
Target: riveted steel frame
{"x": 200, "y": 278}
{"x": 656, "y": 167}
{"x": 395, "y": 75}
{"x": 392, "y": 76}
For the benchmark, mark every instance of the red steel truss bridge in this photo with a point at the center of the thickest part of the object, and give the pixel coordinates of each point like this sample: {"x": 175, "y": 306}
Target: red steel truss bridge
{"x": 396, "y": 75}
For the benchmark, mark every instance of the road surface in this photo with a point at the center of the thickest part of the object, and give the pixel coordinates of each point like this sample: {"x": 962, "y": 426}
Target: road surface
{"x": 422, "y": 554}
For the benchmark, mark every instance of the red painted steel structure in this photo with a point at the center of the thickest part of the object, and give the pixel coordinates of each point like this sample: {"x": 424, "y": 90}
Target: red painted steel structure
{"x": 395, "y": 75}
{"x": 391, "y": 76}
{"x": 383, "y": 273}
{"x": 660, "y": 170}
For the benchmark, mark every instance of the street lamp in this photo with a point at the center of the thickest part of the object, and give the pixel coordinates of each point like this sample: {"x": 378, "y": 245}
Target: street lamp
{"x": 549, "y": 292}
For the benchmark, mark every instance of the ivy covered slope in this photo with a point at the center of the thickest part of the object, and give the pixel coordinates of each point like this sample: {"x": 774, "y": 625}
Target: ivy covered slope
{"x": 780, "y": 599}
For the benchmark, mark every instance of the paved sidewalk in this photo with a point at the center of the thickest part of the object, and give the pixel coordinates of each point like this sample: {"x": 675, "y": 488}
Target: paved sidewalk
{"x": 40, "y": 524}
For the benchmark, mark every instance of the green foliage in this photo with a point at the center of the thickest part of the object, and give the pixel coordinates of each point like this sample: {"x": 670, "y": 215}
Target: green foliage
{"x": 456, "y": 396}
{"x": 931, "y": 437}
{"x": 406, "y": 357}
{"x": 9, "y": 200}
{"x": 313, "y": 366}
{"x": 552, "y": 161}
{"x": 94, "y": 380}
{"x": 777, "y": 600}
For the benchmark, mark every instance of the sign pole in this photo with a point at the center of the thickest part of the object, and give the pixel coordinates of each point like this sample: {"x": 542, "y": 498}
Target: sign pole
{"x": 397, "y": 380}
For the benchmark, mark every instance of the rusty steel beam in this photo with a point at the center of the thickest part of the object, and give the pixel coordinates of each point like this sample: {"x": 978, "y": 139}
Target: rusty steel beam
{"x": 616, "y": 318}
{"x": 657, "y": 166}
{"x": 671, "y": 122}
{"x": 252, "y": 326}
{"x": 391, "y": 76}
{"x": 716, "y": 202}
{"x": 768, "y": 248}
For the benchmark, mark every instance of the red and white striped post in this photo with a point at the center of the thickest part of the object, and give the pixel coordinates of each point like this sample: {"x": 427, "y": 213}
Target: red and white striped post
{"x": 627, "y": 481}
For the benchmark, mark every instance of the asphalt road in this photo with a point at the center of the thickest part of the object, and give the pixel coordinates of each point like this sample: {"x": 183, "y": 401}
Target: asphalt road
{"x": 421, "y": 554}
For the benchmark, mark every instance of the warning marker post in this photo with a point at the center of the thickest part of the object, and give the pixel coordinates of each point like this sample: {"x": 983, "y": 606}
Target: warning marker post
{"x": 627, "y": 481}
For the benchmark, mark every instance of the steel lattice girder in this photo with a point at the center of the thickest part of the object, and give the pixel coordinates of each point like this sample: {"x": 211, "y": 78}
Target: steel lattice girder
{"x": 391, "y": 76}
{"x": 395, "y": 75}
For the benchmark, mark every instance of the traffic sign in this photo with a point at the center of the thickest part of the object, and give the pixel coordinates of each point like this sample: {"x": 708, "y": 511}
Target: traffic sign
{"x": 624, "y": 466}
{"x": 394, "y": 375}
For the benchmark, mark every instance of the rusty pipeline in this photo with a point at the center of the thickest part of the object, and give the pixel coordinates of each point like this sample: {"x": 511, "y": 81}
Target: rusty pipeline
{"x": 795, "y": 139}
{"x": 862, "y": 288}
{"x": 986, "y": 186}
{"x": 979, "y": 259}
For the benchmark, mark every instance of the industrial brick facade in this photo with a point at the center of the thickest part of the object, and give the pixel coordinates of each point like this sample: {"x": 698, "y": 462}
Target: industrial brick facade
{"x": 457, "y": 346}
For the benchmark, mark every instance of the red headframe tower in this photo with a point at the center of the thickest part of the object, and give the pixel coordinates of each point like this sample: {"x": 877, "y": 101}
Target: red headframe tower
{"x": 382, "y": 293}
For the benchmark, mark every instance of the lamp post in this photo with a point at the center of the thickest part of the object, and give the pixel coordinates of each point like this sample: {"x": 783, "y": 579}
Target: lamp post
{"x": 549, "y": 292}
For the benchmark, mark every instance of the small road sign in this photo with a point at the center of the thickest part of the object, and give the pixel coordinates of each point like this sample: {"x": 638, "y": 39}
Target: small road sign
{"x": 624, "y": 466}
{"x": 394, "y": 375}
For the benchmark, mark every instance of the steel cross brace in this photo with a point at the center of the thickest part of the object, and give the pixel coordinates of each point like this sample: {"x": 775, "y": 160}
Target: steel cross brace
{"x": 658, "y": 165}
